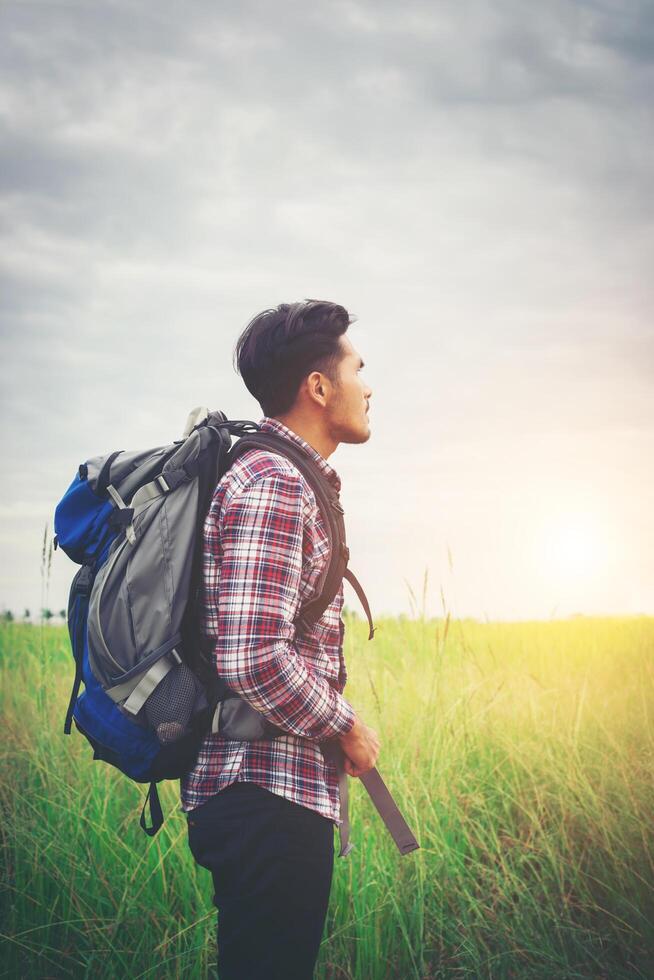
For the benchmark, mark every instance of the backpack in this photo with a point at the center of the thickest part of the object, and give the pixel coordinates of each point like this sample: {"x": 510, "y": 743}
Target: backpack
{"x": 133, "y": 521}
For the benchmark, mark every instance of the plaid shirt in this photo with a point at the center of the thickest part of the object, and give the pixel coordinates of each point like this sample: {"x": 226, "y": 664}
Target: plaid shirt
{"x": 265, "y": 545}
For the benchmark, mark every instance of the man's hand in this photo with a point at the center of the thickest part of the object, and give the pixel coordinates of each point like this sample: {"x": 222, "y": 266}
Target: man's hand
{"x": 361, "y": 748}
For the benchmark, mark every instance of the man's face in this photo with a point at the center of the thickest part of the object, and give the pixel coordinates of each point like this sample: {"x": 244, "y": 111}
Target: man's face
{"x": 348, "y": 406}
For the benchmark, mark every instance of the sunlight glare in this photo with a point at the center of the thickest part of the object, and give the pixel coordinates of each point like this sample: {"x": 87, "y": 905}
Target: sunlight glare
{"x": 572, "y": 547}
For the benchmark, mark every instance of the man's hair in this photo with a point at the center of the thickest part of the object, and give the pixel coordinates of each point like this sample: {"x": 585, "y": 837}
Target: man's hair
{"x": 281, "y": 346}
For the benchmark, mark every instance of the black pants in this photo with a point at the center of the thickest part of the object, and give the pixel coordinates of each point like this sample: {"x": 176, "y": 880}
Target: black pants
{"x": 271, "y": 862}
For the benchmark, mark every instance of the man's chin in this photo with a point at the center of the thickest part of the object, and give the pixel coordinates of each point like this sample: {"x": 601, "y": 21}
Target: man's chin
{"x": 355, "y": 436}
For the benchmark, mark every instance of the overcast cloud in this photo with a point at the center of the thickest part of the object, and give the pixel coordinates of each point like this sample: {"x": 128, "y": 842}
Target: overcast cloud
{"x": 472, "y": 180}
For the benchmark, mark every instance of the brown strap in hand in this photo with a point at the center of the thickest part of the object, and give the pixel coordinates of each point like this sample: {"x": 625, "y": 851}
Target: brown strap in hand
{"x": 380, "y": 795}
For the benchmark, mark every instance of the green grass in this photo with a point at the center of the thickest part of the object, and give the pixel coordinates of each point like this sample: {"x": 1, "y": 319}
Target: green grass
{"x": 522, "y": 755}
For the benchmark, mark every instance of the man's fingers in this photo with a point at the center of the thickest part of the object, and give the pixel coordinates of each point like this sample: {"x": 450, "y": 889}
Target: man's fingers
{"x": 353, "y": 770}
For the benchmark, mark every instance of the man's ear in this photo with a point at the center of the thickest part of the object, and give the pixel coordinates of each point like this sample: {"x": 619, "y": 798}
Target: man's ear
{"x": 315, "y": 385}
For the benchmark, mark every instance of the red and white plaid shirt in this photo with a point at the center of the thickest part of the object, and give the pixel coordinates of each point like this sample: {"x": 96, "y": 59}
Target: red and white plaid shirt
{"x": 265, "y": 546}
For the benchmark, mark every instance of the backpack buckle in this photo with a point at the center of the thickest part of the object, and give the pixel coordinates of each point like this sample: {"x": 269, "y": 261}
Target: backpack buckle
{"x": 122, "y": 516}
{"x": 84, "y": 580}
{"x": 175, "y": 478}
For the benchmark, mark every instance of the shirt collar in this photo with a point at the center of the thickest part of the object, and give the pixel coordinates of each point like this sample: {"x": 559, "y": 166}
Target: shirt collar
{"x": 274, "y": 425}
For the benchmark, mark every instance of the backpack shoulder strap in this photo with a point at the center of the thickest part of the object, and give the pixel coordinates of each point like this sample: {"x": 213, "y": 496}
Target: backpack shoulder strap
{"x": 333, "y": 515}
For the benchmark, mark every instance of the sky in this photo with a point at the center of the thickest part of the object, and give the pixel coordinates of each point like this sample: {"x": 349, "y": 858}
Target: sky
{"x": 471, "y": 180}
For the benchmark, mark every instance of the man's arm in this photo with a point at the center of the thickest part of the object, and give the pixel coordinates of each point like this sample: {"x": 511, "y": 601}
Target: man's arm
{"x": 255, "y": 600}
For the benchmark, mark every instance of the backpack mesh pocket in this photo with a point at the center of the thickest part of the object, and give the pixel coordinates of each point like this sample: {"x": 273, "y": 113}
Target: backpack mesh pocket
{"x": 171, "y": 705}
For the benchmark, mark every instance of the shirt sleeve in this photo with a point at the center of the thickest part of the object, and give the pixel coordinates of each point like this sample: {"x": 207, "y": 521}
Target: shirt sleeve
{"x": 256, "y": 596}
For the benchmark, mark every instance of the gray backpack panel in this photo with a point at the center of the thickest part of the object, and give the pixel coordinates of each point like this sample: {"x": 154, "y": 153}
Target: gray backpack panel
{"x": 140, "y": 593}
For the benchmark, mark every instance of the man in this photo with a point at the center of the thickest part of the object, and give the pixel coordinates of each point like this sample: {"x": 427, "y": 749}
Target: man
{"x": 261, "y": 814}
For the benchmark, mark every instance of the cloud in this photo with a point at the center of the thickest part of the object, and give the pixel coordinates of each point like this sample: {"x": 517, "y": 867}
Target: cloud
{"x": 471, "y": 179}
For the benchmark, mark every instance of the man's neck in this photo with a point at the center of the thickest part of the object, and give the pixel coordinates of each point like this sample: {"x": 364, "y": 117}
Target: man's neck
{"x": 309, "y": 430}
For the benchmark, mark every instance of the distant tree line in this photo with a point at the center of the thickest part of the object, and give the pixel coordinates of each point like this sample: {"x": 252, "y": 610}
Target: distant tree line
{"x": 7, "y": 616}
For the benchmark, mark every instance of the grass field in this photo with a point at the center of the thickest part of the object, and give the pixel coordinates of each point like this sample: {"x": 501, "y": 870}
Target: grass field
{"x": 522, "y": 755}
